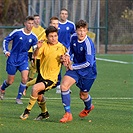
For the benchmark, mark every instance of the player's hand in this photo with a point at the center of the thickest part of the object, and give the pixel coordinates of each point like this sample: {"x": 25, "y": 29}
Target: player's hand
{"x": 65, "y": 59}
{"x": 69, "y": 66}
{"x": 7, "y": 54}
{"x": 39, "y": 44}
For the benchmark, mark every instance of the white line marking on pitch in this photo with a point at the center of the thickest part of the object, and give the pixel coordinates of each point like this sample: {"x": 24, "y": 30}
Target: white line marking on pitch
{"x": 116, "y": 61}
{"x": 102, "y": 98}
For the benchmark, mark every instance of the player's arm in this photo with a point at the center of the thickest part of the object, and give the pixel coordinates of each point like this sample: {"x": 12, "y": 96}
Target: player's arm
{"x": 6, "y": 43}
{"x": 65, "y": 59}
{"x": 36, "y": 48}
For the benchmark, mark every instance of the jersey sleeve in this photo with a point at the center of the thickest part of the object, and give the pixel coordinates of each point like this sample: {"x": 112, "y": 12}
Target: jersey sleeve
{"x": 7, "y": 40}
{"x": 73, "y": 29}
{"x": 34, "y": 44}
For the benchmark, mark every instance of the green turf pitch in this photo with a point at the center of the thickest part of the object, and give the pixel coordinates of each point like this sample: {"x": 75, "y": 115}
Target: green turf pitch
{"x": 112, "y": 95}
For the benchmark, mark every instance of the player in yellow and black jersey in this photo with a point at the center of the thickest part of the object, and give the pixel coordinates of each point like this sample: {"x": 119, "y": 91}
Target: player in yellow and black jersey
{"x": 50, "y": 64}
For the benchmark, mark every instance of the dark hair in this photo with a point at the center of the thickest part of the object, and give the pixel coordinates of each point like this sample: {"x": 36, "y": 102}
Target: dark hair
{"x": 36, "y": 15}
{"x": 53, "y": 18}
{"x": 81, "y": 23}
{"x": 29, "y": 18}
{"x": 63, "y": 9}
{"x": 50, "y": 29}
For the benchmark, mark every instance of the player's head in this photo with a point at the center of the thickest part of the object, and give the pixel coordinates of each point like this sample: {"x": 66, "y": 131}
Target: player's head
{"x": 81, "y": 29}
{"x": 54, "y": 21}
{"x": 36, "y": 19}
{"x": 63, "y": 14}
{"x": 28, "y": 23}
{"x": 52, "y": 35}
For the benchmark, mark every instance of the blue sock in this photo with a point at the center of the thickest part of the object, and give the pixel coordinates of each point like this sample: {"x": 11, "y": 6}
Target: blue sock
{"x": 4, "y": 85}
{"x": 87, "y": 102}
{"x": 20, "y": 91}
{"x": 59, "y": 78}
{"x": 66, "y": 100}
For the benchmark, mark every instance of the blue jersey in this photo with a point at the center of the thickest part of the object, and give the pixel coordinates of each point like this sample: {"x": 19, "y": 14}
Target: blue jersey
{"x": 84, "y": 61}
{"x": 65, "y": 30}
{"x": 21, "y": 43}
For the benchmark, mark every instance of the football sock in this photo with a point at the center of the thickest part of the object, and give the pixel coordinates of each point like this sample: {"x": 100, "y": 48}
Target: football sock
{"x": 59, "y": 78}
{"x": 4, "y": 85}
{"x": 31, "y": 82}
{"x": 20, "y": 91}
{"x": 32, "y": 102}
{"x": 87, "y": 102}
{"x": 32, "y": 71}
{"x": 66, "y": 100}
{"x": 43, "y": 107}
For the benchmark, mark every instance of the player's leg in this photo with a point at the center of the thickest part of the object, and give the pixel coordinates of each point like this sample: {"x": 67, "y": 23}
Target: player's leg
{"x": 42, "y": 104}
{"x": 67, "y": 82}
{"x": 32, "y": 69}
{"x": 86, "y": 86}
{"x": 33, "y": 81}
{"x": 38, "y": 89}
{"x": 29, "y": 83}
{"x": 24, "y": 69}
{"x": 11, "y": 70}
{"x": 6, "y": 83}
{"x": 33, "y": 98}
{"x": 32, "y": 65}
{"x": 22, "y": 86}
{"x": 58, "y": 90}
{"x": 42, "y": 100}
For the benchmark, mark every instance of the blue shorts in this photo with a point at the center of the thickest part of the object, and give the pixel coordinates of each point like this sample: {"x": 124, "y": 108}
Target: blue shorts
{"x": 11, "y": 69}
{"x": 83, "y": 82}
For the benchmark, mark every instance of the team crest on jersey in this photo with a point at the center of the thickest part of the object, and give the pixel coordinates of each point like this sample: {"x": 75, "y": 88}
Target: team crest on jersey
{"x": 30, "y": 40}
{"x": 21, "y": 38}
{"x": 67, "y": 28}
{"x": 74, "y": 44}
{"x": 81, "y": 48}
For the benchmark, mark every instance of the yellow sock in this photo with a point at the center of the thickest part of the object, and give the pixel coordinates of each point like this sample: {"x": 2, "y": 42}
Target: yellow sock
{"x": 31, "y": 82}
{"x": 43, "y": 107}
{"x": 32, "y": 70}
{"x": 32, "y": 102}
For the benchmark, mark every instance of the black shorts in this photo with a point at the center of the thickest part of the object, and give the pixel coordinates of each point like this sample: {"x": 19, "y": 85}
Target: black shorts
{"x": 48, "y": 83}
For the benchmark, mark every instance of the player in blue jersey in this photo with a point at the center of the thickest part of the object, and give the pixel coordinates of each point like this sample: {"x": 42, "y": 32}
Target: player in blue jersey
{"x": 22, "y": 40}
{"x": 82, "y": 72}
{"x": 65, "y": 29}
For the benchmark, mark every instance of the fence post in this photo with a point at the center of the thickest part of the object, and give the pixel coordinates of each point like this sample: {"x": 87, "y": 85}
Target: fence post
{"x": 106, "y": 27}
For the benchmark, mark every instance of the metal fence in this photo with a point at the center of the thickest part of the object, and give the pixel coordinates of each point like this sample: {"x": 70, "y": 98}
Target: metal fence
{"x": 111, "y": 21}
{"x": 78, "y": 9}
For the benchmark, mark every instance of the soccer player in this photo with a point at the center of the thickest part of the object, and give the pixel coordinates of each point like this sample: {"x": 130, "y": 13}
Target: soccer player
{"x": 82, "y": 72}
{"x": 34, "y": 64}
{"x": 65, "y": 29}
{"x": 22, "y": 40}
{"x": 54, "y": 21}
{"x": 50, "y": 63}
{"x": 39, "y": 31}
